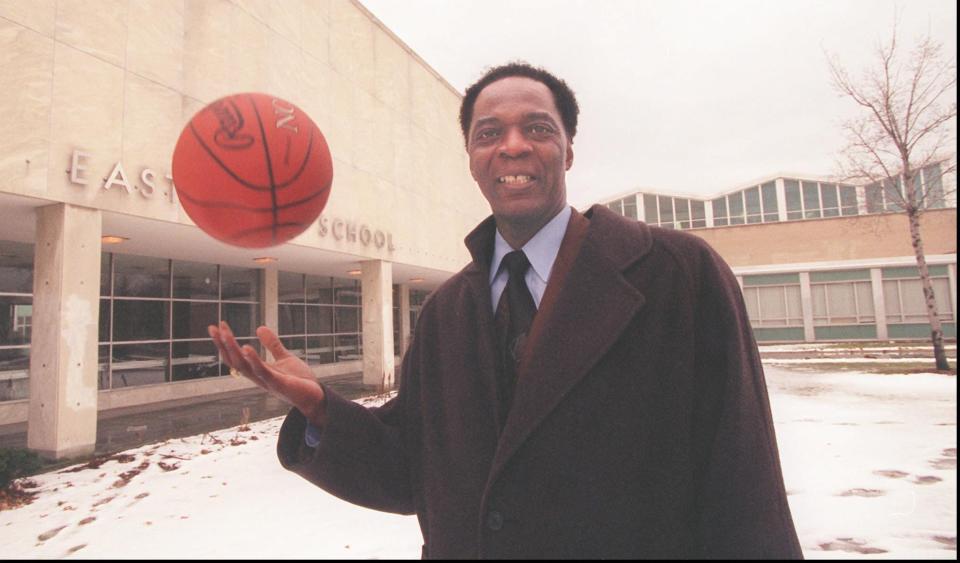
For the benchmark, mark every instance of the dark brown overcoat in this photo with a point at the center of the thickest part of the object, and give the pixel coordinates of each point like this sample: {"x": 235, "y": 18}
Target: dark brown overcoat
{"x": 641, "y": 428}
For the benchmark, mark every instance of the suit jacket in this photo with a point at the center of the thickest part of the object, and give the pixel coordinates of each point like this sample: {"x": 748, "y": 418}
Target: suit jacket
{"x": 640, "y": 426}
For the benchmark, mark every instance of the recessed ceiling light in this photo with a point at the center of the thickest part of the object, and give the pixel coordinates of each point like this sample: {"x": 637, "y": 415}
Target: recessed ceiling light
{"x": 416, "y": 280}
{"x": 354, "y": 272}
{"x": 265, "y": 259}
{"x": 112, "y": 239}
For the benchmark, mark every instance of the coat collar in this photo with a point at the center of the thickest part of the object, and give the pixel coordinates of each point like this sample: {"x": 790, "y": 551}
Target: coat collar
{"x": 594, "y": 304}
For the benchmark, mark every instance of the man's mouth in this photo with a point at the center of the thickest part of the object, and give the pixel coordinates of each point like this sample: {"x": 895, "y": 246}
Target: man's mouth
{"x": 515, "y": 180}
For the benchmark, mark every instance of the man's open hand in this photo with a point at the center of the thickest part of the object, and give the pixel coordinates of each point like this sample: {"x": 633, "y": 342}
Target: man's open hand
{"x": 288, "y": 377}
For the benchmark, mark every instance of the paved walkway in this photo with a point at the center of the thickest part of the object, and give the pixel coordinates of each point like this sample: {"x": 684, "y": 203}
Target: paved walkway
{"x": 122, "y": 429}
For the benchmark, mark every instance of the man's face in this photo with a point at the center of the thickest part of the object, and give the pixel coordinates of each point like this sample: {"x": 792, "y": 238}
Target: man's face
{"x": 519, "y": 151}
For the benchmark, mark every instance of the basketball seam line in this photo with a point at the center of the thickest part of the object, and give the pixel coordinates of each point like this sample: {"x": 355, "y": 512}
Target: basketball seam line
{"x": 266, "y": 152}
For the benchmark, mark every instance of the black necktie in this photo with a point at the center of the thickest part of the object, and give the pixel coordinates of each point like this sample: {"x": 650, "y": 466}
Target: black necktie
{"x": 514, "y": 316}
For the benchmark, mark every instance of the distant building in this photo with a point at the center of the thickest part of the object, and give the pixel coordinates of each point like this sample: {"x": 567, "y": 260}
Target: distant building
{"x": 821, "y": 260}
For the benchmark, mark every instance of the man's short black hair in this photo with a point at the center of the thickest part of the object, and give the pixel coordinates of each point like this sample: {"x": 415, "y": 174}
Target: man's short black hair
{"x": 563, "y": 96}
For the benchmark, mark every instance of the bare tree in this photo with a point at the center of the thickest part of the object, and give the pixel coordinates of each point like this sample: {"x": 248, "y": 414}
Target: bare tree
{"x": 907, "y": 125}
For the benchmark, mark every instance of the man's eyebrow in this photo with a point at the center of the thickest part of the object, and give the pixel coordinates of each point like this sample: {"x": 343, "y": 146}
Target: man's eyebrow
{"x": 539, "y": 115}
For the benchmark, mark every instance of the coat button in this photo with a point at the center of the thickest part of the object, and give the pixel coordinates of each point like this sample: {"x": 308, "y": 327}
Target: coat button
{"x": 494, "y": 520}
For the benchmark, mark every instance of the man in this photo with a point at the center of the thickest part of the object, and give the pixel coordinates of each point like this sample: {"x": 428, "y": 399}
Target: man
{"x": 604, "y": 401}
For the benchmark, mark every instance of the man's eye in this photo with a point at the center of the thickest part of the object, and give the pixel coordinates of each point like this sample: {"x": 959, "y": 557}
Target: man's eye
{"x": 541, "y": 129}
{"x": 486, "y": 134}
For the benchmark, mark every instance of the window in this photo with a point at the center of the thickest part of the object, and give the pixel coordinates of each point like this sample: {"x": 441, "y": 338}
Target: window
{"x": 794, "y": 204}
{"x": 735, "y": 207}
{"x": 903, "y": 295}
{"x": 154, "y": 314}
{"x": 650, "y": 209}
{"x": 848, "y": 200}
{"x": 811, "y": 200}
{"x": 16, "y": 319}
{"x": 698, "y": 211}
{"x": 874, "y": 197}
{"x": 769, "y": 191}
{"x": 752, "y": 199}
{"x": 773, "y": 300}
{"x": 630, "y": 207}
{"x": 933, "y": 187}
{"x": 720, "y": 217}
{"x": 320, "y": 317}
{"x": 842, "y": 303}
{"x": 682, "y": 208}
{"x": 666, "y": 211}
{"x": 830, "y": 200}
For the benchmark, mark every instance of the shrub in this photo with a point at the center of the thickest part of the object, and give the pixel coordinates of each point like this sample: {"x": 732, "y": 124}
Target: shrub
{"x": 16, "y": 463}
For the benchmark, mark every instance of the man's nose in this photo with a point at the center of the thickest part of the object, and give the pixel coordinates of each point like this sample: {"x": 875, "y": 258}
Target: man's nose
{"x": 514, "y": 144}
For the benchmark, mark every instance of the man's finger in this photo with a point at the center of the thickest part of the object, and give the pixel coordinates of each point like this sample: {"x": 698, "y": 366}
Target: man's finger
{"x": 271, "y": 343}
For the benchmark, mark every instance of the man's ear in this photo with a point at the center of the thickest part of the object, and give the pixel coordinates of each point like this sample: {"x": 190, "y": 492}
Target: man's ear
{"x": 569, "y": 161}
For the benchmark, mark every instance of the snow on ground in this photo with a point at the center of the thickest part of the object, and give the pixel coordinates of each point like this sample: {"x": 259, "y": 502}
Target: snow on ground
{"x": 847, "y": 347}
{"x": 869, "y": 463}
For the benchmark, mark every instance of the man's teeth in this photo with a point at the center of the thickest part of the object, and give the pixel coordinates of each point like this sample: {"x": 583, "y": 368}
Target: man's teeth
{"x": 514, "y": 179}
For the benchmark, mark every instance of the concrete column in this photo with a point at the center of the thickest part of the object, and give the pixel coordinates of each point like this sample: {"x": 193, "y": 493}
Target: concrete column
{"x": 806, "y": 304}
{"x": 879, "y": 305}
{"x": 781, "y": 199}
{"x": 269, "y": 297}
{"x": 377, "y": 289}
{"x": 405, "y": 333}
{"x": 62, "y": 420}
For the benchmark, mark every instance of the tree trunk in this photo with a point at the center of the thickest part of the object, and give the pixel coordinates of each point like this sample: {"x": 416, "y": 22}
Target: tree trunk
{"x": 936, "y": 332}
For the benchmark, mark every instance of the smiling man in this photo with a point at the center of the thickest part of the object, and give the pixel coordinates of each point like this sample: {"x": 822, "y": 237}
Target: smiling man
{"x": 587, "y": 387}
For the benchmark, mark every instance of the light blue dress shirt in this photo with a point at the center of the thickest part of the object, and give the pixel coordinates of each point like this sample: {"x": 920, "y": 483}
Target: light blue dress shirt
{"x": 541, "y": 251}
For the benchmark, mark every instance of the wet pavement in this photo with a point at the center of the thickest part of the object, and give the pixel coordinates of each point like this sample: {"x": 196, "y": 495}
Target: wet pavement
{"x": 122, "y": 429}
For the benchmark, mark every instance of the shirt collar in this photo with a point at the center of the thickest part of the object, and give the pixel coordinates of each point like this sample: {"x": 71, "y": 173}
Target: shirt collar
{"x": 541, "y": 250}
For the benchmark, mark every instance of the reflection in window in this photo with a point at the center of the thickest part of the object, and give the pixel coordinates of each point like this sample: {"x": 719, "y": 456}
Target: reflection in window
{"x": 315, "y": 309}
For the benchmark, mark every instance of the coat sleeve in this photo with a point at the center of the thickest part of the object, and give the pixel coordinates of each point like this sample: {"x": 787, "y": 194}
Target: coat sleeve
{"x": 361, "y": 457}
{"x": 742, "y": 504}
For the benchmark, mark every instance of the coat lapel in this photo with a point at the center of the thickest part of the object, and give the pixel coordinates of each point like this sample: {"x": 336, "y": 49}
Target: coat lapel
{"x": 594, "y": 304}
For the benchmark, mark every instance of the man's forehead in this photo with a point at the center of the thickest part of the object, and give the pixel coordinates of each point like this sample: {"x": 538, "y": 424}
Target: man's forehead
{"x": 518, "y": 93}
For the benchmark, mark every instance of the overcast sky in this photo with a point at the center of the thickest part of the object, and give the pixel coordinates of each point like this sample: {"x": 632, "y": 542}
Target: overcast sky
{"x": 681, "y": 96}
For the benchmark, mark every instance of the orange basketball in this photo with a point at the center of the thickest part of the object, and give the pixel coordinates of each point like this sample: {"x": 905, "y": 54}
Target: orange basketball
{"x": 252, "y": 170}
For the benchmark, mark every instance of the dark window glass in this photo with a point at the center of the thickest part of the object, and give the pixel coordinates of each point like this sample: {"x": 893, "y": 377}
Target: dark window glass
{"x": 319, "y": 290}
{"x": 14, "y": 374}
{"x": 16, "y": 267}
{"x": 666, "y": 211}
{"x": 831, "y": 203}
{"x": 811, "y": 200}
{"x": 720, "y": 211}
{"x": 103, "y": 366}
{"x": 848, "y": 200}
{"x": 239, "y": 284}
{"x": 320, "y": 320}
{"x": 650, "y": 209}
{"x": 681, "y": 208}
{"x": 933, "y": 179}
{"x": 16, "y": 320}
{"x": 735, "y": 204}
{"x": 243, "y": 318}
{"x": 347, "y": 320}
{"x": 616, "y": 207}
{"x": 348, "y": 347}
{"x": 630, "y": 207}
{"x": 290, "y": 287}
{"x": 141, "y": 276}
{"x": 104, "y": 328}
{"x": 294, "y": 345}
{"x": 139, "y": 364}
{"x": 320, "y": 350}
{"x": 874, "y": 197}
{"x": 193, "y": 360}
{"x": 792, "y": 195}
{"x": 193, "y": 280}
{"x": 698, "y": 211}
{"x": 346, "y": 292}
{"x": 769, "y": 196}
{"x": 291, "y": 319}
{"x": 751, "y": 198}
{"x": 191, "y": 319}
{"x": 105, "y": 258}
{"x": 893, "y": 194}
{"x": 134, "y": 319}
